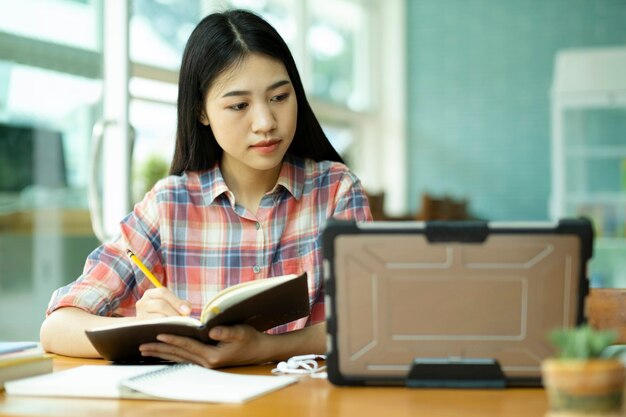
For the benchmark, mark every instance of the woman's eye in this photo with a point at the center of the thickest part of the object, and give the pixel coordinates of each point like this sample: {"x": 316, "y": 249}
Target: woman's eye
{"x": 238, "y": 106}
{"x": 280, "y": 97}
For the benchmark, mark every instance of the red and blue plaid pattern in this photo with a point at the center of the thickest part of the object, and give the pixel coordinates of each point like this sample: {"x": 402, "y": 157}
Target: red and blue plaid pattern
{"x": 190, "y": 233}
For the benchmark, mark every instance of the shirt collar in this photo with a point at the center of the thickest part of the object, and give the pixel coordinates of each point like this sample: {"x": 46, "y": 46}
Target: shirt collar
{"x": 291, "y": 177}
{"x": 213, "y": 184}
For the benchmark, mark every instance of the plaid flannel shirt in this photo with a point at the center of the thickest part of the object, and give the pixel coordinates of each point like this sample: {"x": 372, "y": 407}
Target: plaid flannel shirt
{"x": 189, "y": 231}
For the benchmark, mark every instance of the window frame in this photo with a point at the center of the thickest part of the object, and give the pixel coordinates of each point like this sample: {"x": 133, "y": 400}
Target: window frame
{"x": 377, "y": 155}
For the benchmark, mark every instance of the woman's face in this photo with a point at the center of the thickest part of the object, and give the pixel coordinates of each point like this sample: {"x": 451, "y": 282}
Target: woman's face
{"x": 252, "y": 111}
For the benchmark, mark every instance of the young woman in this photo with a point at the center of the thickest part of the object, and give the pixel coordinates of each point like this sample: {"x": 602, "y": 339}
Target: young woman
{"x": 253, "y": 182}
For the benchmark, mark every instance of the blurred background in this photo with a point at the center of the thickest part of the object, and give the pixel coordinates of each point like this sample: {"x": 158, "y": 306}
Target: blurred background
{"x": 484, "y": 109}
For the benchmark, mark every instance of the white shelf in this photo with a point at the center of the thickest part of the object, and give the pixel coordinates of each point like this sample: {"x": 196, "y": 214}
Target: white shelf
{"x": 585, "y": 72}
{"x": 597, "y": 198}
{"x": 585, "y": 78}
{"x": 591, "y": 100}
{"x": 590, "y": 79}
{"x": 597, "y": 152}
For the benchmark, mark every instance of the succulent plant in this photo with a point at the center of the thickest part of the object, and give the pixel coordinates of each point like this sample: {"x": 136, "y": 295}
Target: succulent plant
{"x": 582, "y": 342}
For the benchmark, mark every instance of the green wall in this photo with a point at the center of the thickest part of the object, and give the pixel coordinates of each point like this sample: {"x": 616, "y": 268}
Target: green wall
{"x": 479, "y": 75}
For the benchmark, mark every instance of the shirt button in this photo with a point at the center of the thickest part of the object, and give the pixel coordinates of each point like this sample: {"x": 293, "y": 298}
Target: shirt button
{"x": 257, "y": 225}
{"x": 256, "y": 269}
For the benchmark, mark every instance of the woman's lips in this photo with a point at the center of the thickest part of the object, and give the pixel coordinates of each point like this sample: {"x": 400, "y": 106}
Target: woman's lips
{"x": 266, "y": 146}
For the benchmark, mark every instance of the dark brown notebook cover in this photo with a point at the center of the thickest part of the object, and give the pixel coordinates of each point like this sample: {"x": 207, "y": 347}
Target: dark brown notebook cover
{"x": 277, "y": 305}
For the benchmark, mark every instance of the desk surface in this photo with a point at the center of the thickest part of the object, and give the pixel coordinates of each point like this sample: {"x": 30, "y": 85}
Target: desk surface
{"x": 309, "y": 397}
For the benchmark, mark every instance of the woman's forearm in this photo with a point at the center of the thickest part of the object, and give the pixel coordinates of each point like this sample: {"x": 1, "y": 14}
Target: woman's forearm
{"x": 63, "y": 332}
{"x": 311, "y": 339}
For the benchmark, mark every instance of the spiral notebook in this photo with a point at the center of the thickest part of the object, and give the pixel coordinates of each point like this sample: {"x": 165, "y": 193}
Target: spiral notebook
{"x": 183, "y": 382}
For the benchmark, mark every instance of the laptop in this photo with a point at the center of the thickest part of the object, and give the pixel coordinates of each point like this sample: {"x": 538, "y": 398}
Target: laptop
{"x": 451, "y": 295}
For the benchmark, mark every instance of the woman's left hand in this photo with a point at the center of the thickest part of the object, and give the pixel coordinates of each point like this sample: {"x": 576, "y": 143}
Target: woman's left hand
{"x": 237, "y": 345}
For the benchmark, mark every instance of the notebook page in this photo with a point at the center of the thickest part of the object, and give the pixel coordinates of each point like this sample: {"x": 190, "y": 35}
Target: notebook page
{"x": 188, "y": 382}
{"x": 92, "y": 381}
{"x": 11, "y": 347}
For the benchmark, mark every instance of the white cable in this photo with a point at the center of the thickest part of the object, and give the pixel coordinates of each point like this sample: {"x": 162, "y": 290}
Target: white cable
{"x": 300, "y": 365}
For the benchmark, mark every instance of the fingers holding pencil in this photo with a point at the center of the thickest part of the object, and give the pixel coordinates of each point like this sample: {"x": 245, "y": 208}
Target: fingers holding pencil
{"x": 143, "y": 268}
{"x": 159, "y": 301}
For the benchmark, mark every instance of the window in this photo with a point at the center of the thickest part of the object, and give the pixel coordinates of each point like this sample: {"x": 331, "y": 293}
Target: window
{"x": 50, "y": 97}
{"x": 159, "y": 31}
{"x": 51, "y": 47}
{"x": 339, "y": 54}
{"x": 341, "y": 60}
{"x": 55, "y": 21}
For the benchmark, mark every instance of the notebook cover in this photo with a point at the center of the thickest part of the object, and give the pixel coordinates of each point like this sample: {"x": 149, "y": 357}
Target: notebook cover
{"x": 273, "y": 307}
{"x": 406, "y": 290}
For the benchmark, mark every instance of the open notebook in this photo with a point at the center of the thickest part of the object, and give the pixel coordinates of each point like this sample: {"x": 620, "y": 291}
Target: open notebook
{"x": 184, "y": 382}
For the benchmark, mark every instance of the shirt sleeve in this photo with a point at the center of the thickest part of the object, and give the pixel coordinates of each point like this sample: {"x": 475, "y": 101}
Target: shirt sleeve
{"x": 108, "y": 285}
{"x": 350, "y": 203}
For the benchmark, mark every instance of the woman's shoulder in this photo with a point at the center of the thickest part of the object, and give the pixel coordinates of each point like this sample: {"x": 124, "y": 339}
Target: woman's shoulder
{"x": 176, "y": 182}
{"x": 332, "y": 185}
{"x": 314, "y": 168}
{"x": 169, "y": 193}
{"x": 327, "y": 171}
{"x": 174, "y": 187}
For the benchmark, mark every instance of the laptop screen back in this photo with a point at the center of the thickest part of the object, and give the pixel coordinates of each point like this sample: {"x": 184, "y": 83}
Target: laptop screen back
{"x": 398, "y": 296}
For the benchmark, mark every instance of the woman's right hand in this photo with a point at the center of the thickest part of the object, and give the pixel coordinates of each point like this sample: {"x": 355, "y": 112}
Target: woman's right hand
{"x": 161, "y": 302}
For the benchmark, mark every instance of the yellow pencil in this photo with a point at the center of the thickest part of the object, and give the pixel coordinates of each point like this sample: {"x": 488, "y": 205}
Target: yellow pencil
{"x": 143, "y": 268}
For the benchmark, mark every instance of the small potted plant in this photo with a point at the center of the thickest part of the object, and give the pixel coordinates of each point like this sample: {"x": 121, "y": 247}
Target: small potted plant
{"x": 583, "y": 379}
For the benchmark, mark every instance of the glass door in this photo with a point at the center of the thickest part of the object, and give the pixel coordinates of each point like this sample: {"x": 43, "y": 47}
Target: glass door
{"x": 88, "y": 115}
{"x": 50, "y": 98}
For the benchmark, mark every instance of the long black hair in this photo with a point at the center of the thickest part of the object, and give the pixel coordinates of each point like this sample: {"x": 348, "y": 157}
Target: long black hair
{"x": 219, "y": 41}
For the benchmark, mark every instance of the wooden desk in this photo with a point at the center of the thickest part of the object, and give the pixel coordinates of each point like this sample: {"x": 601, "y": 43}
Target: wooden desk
{"x": 309, "y": 397}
